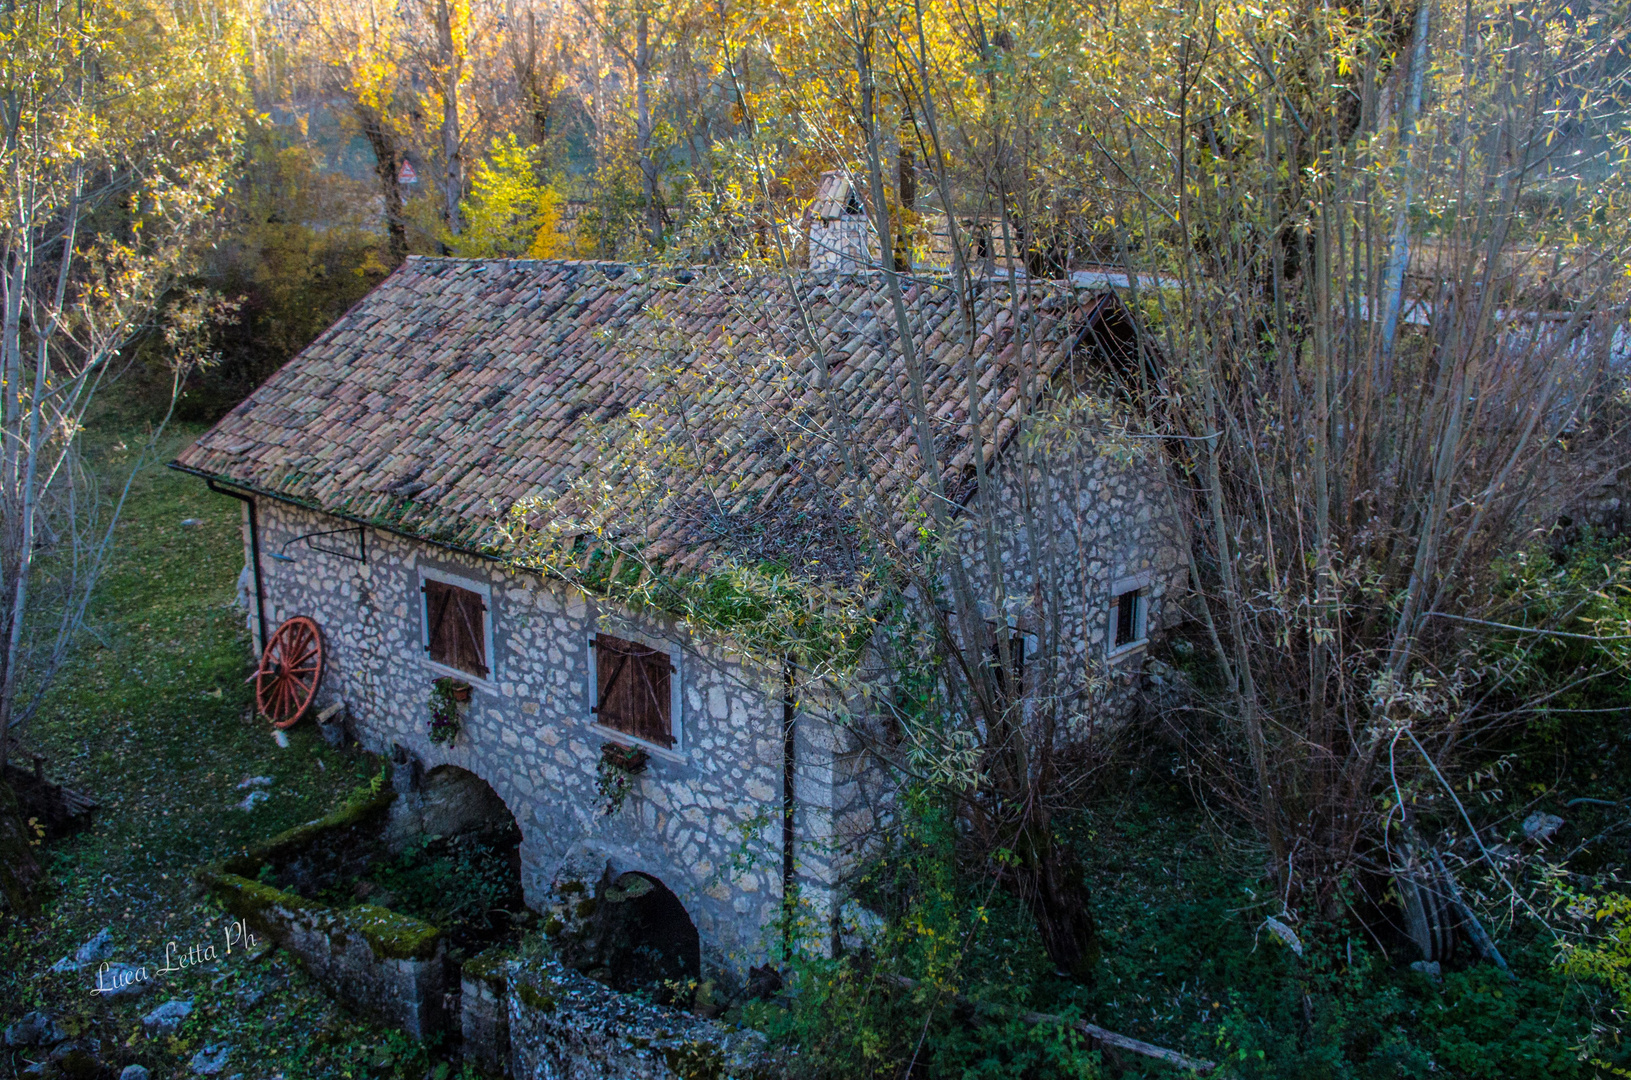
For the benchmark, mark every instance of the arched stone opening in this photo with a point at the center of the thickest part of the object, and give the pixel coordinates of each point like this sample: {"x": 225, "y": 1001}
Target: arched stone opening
{"x": 456, "y": 801}
{"x": 458, "y": 858}
{"x": 639, "y": 937}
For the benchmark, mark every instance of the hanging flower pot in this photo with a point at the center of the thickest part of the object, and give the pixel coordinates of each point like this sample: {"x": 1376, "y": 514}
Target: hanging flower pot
{"x": 615, "y": 772}
{"x": 631, "y": 759}
{"x": 457, "y": 689}
{"x": 446, "y": 695}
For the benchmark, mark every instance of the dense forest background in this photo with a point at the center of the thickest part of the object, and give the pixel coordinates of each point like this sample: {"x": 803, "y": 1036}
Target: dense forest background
{"x": 1372, "y": 817}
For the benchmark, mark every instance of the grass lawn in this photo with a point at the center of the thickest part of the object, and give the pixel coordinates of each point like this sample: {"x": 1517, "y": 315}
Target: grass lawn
{"x": 152, "y": 718}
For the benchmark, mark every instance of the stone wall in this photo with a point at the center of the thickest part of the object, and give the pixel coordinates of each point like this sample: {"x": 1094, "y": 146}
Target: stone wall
{"x": 388, "y": 965}
{"x": 563, "y": 1026}
{"x": 484, "y": 1012}
{"x": 704, "y": 819}
{"x": 1102, "y": 512}
{"x": 1605, "y": 505}
{"x": 1104, "y": 519}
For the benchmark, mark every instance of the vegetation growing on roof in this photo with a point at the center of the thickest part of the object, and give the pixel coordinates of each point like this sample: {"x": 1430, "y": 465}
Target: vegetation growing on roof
{"x": 766, "y": 610}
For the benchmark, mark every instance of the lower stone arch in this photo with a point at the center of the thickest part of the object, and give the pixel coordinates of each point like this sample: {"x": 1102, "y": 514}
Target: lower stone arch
{"x": 465, "y": 833}
{"x": 639, "y": 937}
{"x": 454, "y": 800}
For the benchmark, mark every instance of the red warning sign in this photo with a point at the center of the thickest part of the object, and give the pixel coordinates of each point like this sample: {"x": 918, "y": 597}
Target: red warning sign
{"x": 406, "y": 175}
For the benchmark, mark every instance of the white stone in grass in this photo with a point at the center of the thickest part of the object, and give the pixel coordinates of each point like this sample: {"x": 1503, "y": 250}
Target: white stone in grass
{"x": 281, "y": 739}
{"x": 94, "y": 951}
{"x": 1285, "y": 934}
{"x": 165, "y": 1019}
{"x": 1540, "y": 826}
{"x": 135, "y": 1072}
{"x": 121, "y": 980}
{"x": 255, "y": 781}
{"x": 98, "y": 949}
{"x": 211, "y": 1060}
{"x": 253, "y": 799}
{"x": 34, "y": 1028}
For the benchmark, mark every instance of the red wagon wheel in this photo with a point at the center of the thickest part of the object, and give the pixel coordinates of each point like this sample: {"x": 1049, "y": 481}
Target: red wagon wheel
{"x": 291, "y": 667}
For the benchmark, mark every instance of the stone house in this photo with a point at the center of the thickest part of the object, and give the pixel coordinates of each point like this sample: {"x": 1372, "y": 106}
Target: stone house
{"x": 377, "y": 466}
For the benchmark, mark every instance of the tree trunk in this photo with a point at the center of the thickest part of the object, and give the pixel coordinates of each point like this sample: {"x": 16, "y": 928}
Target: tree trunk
{"x": 19, "y": 869}
{"x": 643, "y": 129}
{"x": 536, "y": 91}
{"x": 452, "y": 159}
{"x": 387, "y": 166}
{"x": 12, "y": 557}
{"x": 1399, "y": 257}
{"x": 906, "y": 178}
{"x": 1049, "y": 881}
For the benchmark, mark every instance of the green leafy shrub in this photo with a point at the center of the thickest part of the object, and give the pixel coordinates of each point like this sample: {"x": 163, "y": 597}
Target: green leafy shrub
{"x": 461, "y": 879}
{"x": 956, "y": 942}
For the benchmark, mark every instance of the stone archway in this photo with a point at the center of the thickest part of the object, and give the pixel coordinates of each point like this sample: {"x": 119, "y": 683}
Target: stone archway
{"x": 639, "y": 937}
{"x": 458, "y": 854}
{"x": 455, "y": 801}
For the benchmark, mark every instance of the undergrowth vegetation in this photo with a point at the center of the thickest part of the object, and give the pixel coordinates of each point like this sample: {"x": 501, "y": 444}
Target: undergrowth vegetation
{"x": 1188, "y": 963}
{"x": 943, "y": 973}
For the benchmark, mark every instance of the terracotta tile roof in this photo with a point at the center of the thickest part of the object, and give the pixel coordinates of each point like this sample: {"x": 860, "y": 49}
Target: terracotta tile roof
{"x": 459, "y": 386}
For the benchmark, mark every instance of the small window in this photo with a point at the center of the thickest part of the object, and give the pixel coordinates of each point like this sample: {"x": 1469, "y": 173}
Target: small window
{"x": 633, "y": 690}
{"x": 1127, "y": 619}
{"x": 455, "y": 627}
{"x": 1016, "y": 647}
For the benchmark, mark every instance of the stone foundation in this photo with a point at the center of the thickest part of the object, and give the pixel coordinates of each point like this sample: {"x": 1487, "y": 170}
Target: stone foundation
{"x": 484, "y": 1013}
{"x": 564, "y": 1026}
{"x": 388, "y": 965}
{"x": 382, "y": 963}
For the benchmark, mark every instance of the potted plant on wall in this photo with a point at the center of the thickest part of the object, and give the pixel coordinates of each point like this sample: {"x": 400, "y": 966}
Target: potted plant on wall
{"x": 446, "y": 695}
{"x": 615, "y": 772}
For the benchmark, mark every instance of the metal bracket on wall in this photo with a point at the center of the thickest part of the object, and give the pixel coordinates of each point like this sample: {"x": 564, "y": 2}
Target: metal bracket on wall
{"x": 344, "y": 551}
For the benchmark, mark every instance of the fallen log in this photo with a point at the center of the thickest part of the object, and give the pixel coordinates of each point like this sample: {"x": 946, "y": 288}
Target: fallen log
{"x": 1098, "y": 1034}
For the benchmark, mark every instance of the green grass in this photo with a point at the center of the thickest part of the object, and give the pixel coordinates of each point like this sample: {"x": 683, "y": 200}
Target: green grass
{"x": 152, "y": 718}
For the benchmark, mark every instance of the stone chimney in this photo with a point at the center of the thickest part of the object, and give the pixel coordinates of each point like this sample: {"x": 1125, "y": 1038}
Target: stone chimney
{"x": 840, "y": 236}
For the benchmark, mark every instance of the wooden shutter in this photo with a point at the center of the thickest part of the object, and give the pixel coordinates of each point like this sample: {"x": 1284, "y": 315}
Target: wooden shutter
{"x": 469, "y": 632}
{"x": 438, "y": 599}
{"x": 633, "y": 689}
{"x": 454, "y": 630}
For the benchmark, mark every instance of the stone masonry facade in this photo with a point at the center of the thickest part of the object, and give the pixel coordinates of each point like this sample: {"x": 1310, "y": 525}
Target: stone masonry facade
{"x": 1104, "y": 521}
{"x": 705, "y": 818}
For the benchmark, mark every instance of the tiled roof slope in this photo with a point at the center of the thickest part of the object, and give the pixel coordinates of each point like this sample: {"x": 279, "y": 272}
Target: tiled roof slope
{"x": 459, "y": 386}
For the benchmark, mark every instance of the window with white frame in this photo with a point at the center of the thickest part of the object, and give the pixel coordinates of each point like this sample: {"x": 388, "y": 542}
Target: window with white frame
{"x": 1129, "y": 601}
{"x": 636, "y": 690}
{"x": 458, "y": 624}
